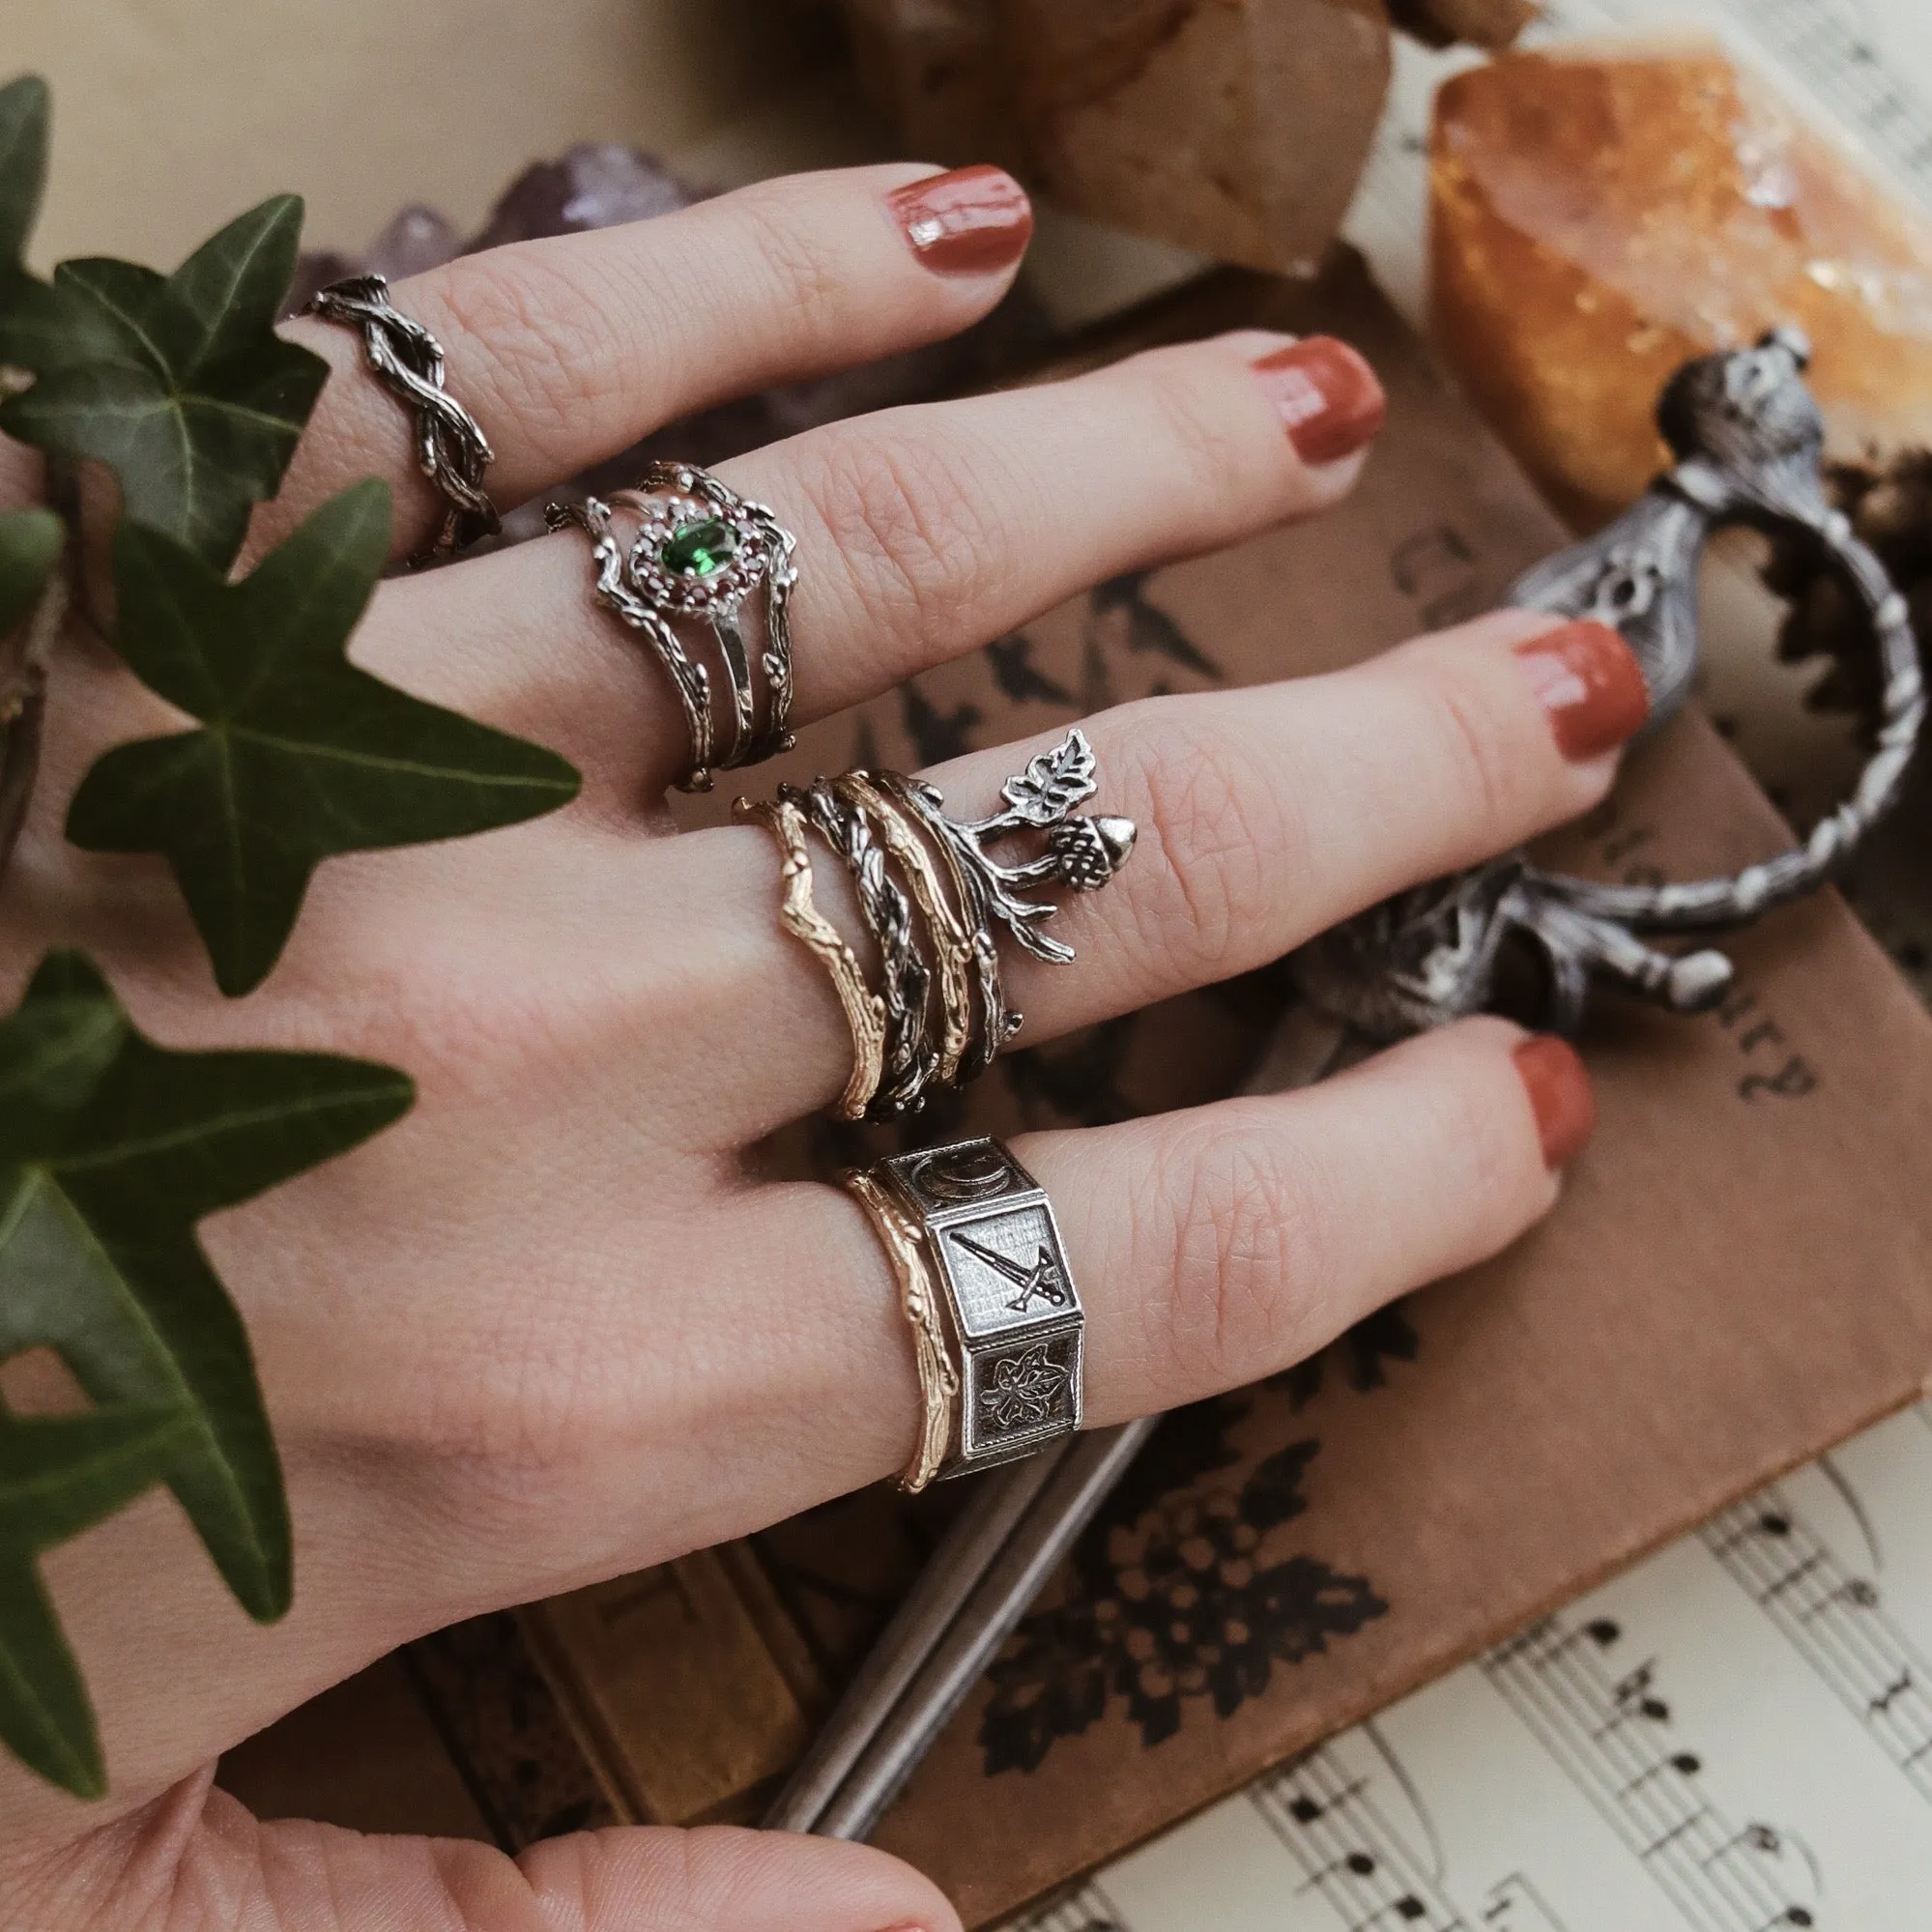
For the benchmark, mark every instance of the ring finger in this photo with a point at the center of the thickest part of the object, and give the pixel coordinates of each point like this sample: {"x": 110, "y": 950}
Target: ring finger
{"x": 922, "y": 532}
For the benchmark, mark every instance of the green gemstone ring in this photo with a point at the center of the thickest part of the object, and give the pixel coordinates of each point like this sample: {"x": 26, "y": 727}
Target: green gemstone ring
{"x": 701, "y": 553}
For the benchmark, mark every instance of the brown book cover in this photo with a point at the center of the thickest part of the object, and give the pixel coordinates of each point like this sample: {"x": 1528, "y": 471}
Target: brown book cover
{"x": 1737, "y": 1277}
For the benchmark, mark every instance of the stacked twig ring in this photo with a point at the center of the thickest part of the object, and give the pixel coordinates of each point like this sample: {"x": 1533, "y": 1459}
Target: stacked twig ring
{"x": 698, "y": 551}
{"x": 450, "y": 449}
{"x": 931, "y": 896}
{"x": 998, "y": 1328}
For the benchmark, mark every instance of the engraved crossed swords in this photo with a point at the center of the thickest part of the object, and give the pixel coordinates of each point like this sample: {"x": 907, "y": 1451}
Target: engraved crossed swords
{"x": 1042, "y": 1279}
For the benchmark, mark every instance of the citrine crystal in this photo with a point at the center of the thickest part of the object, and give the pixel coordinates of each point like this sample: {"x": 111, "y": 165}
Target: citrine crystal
{"x": 701, "y": 548}
{"x": 1602, "y": 214}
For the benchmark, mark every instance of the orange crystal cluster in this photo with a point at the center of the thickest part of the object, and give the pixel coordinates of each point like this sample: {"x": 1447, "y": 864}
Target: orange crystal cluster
{"x": 1601, "y": 213}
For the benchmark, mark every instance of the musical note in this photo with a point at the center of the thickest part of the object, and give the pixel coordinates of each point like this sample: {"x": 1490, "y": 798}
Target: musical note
{"x": 1559, "y": 1682}
{"x": 1349, "y": 1851}
{"x": 1835, "y": 1621}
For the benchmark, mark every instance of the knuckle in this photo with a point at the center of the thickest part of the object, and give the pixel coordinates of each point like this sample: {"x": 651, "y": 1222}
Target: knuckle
{"x": 797, "y": 252}
{"x": 1212, "y": 829}
{"x": 1210, "y": 448}
{"x": 1482, "y": 769}
{"x": 551, "y": 352}
{"x": 1481, "y": 1137}
{"x": 1250, "y": 1260}
{"x": 903, "y": 523}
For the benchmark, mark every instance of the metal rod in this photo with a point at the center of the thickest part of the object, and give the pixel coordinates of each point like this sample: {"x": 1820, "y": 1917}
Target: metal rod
{"x": 990, "y": 1567}
{"x": 1079, "y": 1483}
{"x": 964, "y": 1555}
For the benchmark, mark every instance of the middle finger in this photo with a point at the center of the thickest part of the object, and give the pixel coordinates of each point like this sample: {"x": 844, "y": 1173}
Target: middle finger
{"x": 922, "y": 532}
{"x": 1265, "y": 816}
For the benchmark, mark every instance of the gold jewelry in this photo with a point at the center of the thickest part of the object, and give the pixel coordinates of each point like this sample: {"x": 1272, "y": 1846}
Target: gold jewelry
{"x": 865, "y": 1010}
{"x": 903, "y": 1242}
{"x": 997, "y": 1023}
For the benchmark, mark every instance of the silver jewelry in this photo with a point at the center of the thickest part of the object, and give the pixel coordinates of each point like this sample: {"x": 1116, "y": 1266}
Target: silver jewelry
{"x": 931, "y": 896}
{"x": 1750, "y": 442}
{"x": 911, "y": 1053}
{"x": 699, "y": 551}
{"x": 450, "y": 449}
{"x": 1009, "y": 1319}
{"x": 1082, "y": 852}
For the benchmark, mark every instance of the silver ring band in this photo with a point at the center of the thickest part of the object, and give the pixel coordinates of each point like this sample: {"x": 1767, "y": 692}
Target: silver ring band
{"x": 451, "y": 449}
{"x": 931, "y": 895}
{"x": 998, "y": 1322}
{"x": 698, "y": 552}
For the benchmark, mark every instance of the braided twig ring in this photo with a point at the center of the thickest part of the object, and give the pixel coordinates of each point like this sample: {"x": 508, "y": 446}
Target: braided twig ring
{"x": 451, "y": 449}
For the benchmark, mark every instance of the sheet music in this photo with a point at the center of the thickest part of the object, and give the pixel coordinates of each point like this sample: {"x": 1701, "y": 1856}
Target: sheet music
{"x": 1736, "y": 1736}
{"x": 1863, "y": 67}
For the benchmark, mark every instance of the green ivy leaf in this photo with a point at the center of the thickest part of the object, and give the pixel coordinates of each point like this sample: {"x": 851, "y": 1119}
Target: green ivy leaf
{"x": 178, "y": 382}
{"x": 30, "y": 545}
{"x": 299, "y": 756}
{"x": 60, "y": 1475}
{"x": 29, "y": 324}
{"x": 111, "y": 1149}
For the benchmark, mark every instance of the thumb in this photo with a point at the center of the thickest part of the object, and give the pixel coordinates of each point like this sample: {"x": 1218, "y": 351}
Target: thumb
{"x": 721, "y": 1879}
{"x": 199, "y": 1862}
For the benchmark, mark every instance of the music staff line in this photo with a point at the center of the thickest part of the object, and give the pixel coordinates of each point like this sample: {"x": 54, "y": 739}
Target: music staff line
{"x": 1851, "y": 75}
{"x": 1719, "y": 1876}
{"x": 1085, "y": 1908}
{"x": 1348, "y": 1848}
{"x": 1834, "y": 1620}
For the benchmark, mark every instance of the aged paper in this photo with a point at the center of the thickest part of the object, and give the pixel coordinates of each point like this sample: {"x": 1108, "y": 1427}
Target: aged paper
{"x": 1735, "y": 1736}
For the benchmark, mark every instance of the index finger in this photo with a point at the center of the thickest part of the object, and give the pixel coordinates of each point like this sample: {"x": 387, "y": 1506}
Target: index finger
{"x": 568, "y": 350}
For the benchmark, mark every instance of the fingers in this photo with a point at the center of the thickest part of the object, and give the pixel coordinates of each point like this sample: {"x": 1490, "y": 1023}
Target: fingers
{"x": 567, "y": 351}
{"x": 1218, "y": 1244}
{"x": 922, "y": 532}
{"x": 1265, "y": 817}
{"x": 199, "y": 1861}
{"x": 1222, "y": 1244}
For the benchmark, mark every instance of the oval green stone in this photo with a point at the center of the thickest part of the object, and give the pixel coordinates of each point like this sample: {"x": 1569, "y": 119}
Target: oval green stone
{"x": 697, "y": 549}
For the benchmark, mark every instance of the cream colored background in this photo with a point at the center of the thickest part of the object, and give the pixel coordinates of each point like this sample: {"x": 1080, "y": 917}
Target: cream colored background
{"x": 172, "y": 115}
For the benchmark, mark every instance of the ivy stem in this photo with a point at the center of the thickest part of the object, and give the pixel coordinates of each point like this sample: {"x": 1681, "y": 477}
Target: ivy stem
{"x": 23, "y": 700}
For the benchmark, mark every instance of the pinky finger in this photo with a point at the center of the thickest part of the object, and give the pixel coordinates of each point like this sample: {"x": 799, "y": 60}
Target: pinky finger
{"x": 1220, "y": 1244}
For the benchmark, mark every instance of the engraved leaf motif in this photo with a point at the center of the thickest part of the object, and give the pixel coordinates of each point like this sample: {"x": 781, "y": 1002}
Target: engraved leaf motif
{"x": 1053, "y": 783}
{"x": 1024, "y": 1389}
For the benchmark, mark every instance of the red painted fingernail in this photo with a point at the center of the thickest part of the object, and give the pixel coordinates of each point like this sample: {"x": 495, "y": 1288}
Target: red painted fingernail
{"x": 1560, "y": 1097}
{"x": 969, "y": 222}
{"x": 1590, "y": 684}
{"x": 1326, "y": 395}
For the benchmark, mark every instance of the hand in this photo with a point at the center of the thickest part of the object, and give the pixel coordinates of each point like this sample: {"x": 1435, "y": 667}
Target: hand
{"x": 548, "y": 1330}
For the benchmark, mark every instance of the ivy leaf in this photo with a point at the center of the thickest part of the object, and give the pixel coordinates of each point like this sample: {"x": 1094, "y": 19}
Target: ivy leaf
{"x": 299, "y": 755}
{"x": 30, "y": 545}
{"x": 178, "y": 382}
{"x": 29, "y": 328}
{"x": 59, "y": 1475}
{"x": 111, "y": 1149}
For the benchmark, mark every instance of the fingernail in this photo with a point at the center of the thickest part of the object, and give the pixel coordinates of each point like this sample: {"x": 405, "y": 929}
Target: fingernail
{"x": 1326, "y": 395}
{"x": 1590, "y": 684}
{"x": 969, "y": 222}
{"x": 1560, "y": 1097}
